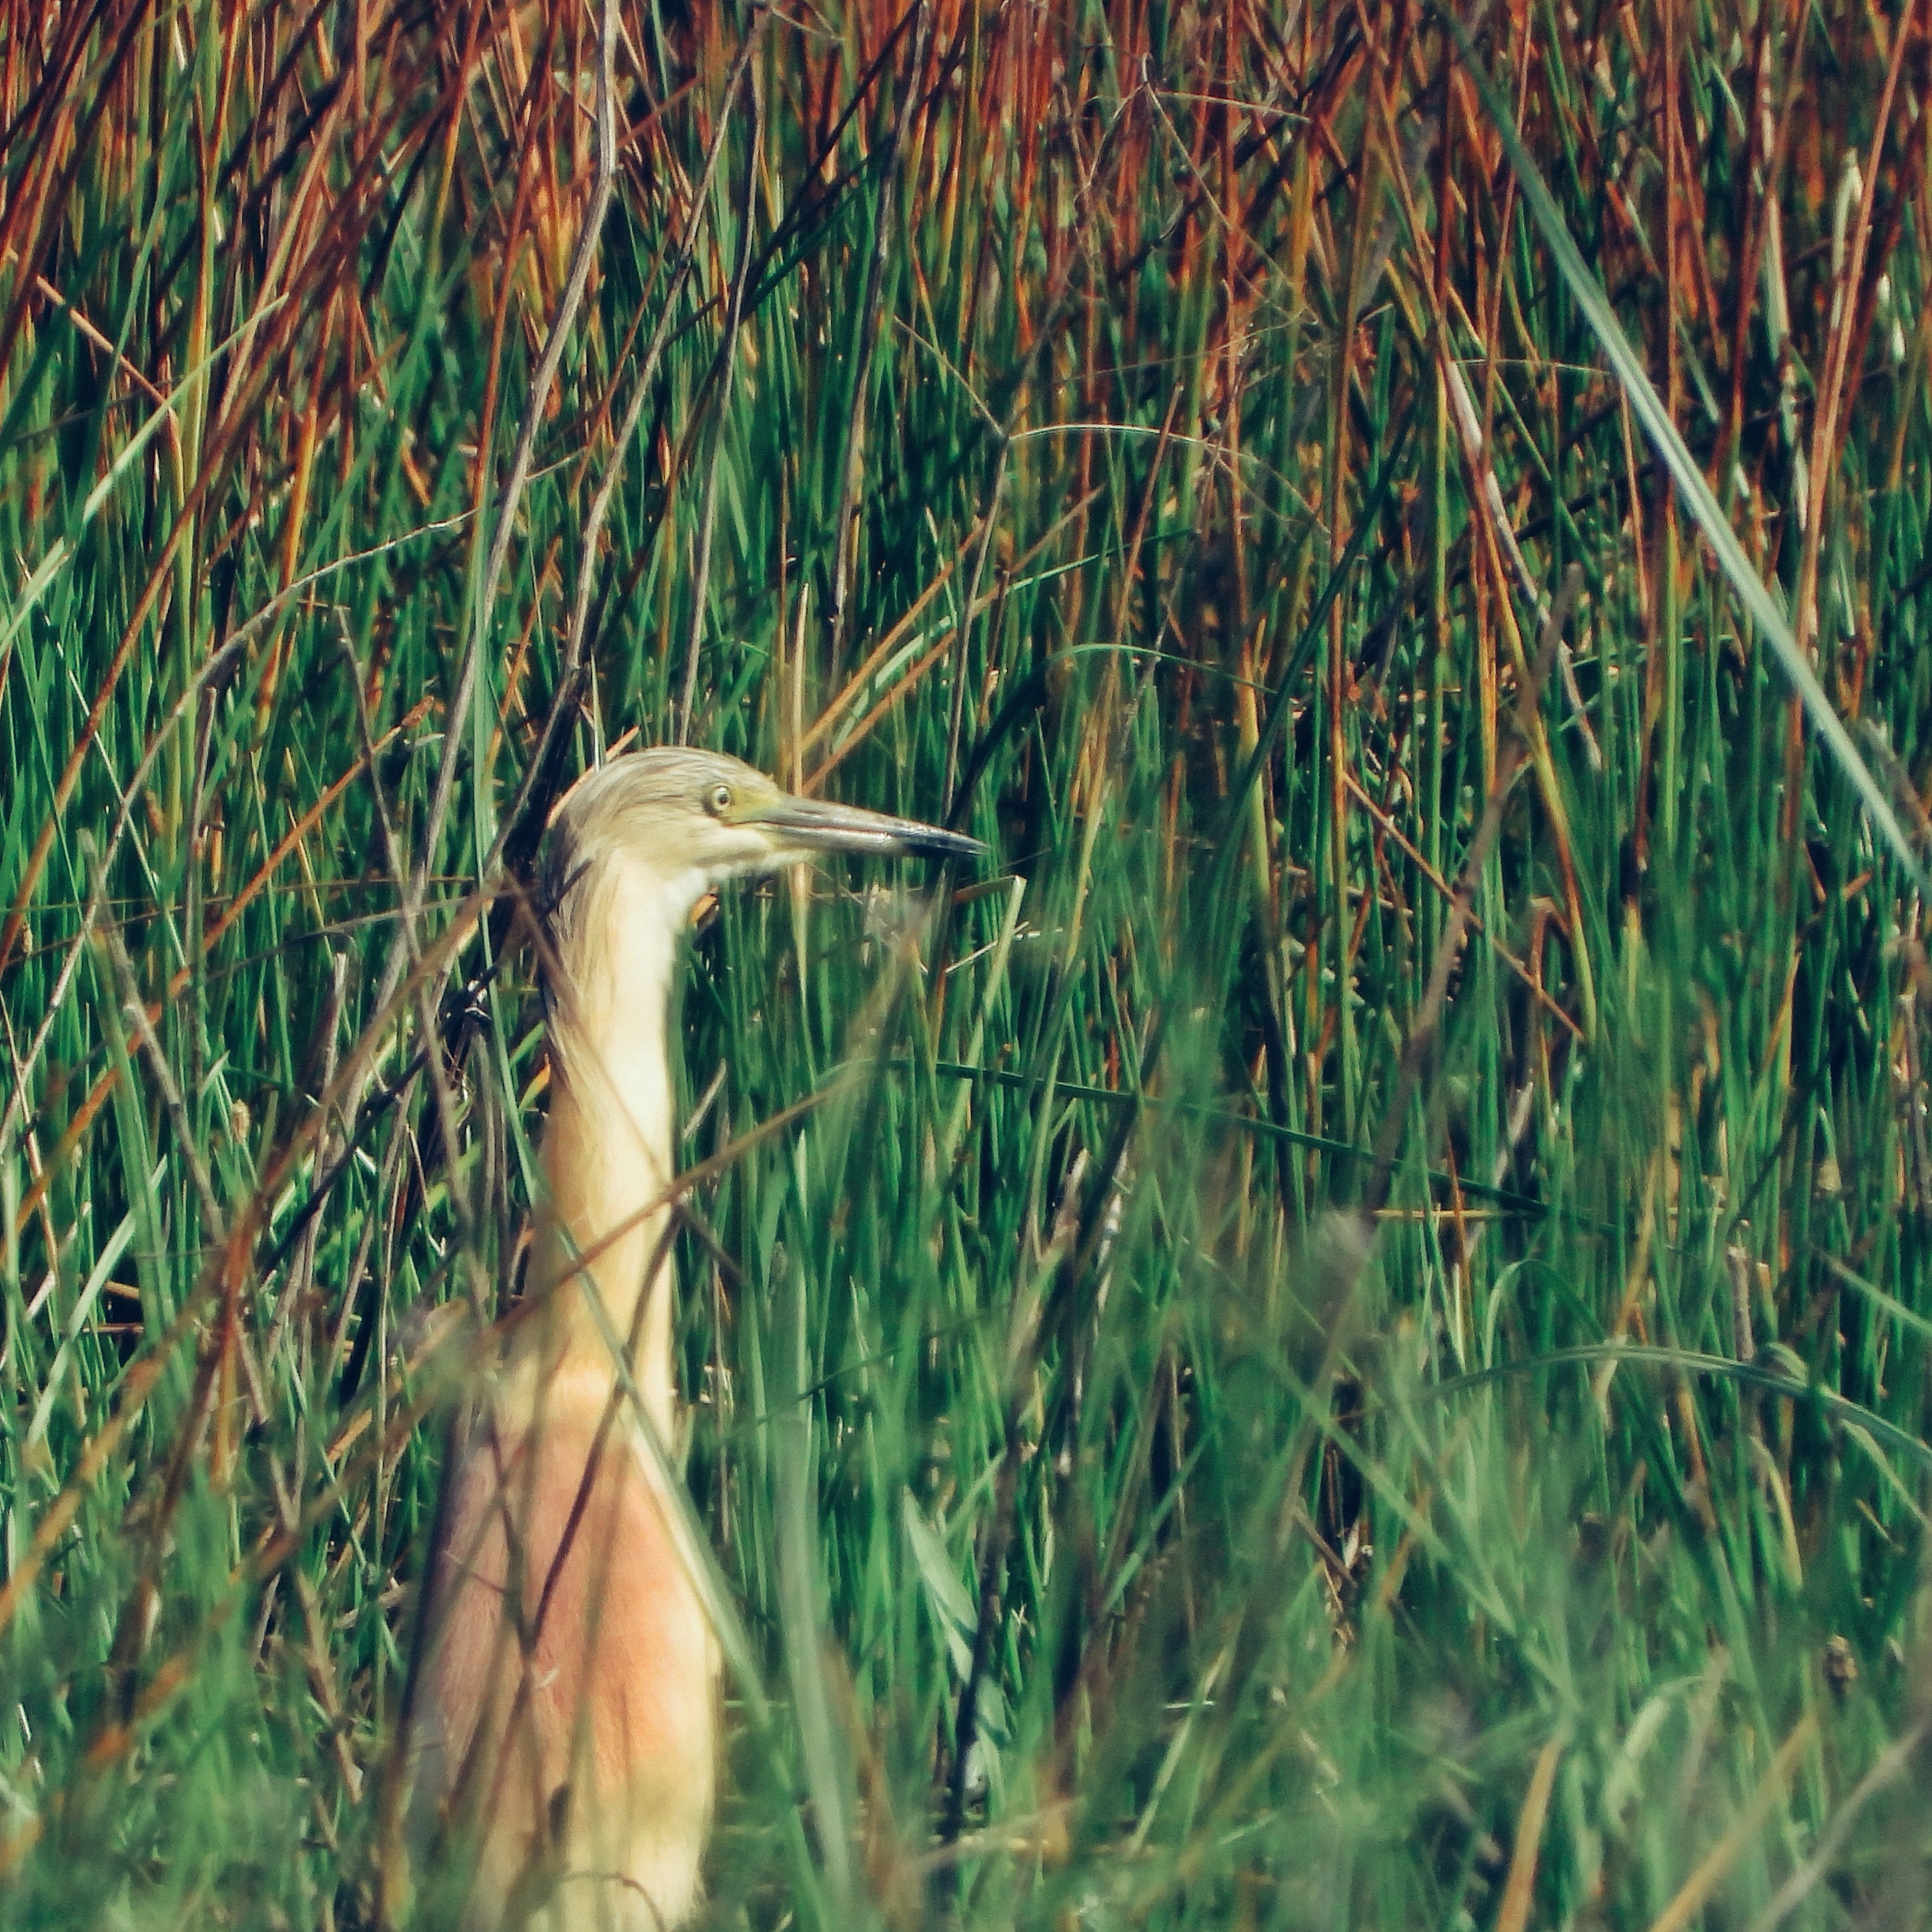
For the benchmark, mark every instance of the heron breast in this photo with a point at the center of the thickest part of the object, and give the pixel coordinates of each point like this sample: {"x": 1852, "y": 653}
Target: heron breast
{"x": 583, "y": 1731}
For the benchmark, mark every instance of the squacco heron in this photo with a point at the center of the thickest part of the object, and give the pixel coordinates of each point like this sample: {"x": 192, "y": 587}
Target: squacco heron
{"x": 564, "y": 1715}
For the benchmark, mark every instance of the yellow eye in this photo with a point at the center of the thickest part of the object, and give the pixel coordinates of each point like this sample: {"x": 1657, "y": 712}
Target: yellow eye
{"x": 718, "y": 800}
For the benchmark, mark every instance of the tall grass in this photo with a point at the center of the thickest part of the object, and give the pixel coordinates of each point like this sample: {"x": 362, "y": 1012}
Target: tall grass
{"x": 1339, "y": 1335}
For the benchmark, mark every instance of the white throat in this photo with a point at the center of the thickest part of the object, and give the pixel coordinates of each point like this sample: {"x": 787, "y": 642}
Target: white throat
{"x": 608, "y": 1146}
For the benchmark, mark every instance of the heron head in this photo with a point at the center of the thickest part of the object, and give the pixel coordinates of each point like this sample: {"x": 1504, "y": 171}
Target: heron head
{"x": 696, "y": 818}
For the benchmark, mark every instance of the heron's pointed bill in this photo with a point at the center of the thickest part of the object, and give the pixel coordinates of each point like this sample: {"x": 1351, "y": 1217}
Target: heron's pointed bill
{"x": 813, "y": 825}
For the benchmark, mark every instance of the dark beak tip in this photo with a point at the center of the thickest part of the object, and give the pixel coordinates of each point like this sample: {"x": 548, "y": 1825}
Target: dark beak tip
{"x": 934, "y": 844}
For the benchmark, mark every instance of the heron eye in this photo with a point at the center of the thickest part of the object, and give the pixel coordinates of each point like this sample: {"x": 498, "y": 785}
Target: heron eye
{"x": 718, "y": 800}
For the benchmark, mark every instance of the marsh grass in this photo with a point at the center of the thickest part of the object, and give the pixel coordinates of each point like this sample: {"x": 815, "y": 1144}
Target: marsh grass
{"x": 1151, "y": 437}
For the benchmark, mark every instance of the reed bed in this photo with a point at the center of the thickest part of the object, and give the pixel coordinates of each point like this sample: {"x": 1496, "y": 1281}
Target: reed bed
{"x": 1337, "y": 1335}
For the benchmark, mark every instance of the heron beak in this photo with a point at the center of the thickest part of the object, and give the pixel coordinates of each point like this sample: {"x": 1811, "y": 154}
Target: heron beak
{"x": 812, "y": 825}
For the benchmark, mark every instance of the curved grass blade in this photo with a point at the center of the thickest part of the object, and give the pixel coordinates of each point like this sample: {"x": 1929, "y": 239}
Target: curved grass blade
{"x": 1767, "y": 1380}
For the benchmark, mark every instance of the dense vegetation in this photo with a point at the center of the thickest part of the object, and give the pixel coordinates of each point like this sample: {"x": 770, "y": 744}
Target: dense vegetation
{"x": 1338, "y": 1335}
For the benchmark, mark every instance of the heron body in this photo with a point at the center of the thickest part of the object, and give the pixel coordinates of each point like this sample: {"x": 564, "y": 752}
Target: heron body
{"x": 565, "y": 1710}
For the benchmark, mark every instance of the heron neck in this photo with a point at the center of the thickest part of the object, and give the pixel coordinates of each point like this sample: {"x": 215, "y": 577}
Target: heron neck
{"x": 608, "y": 1142}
